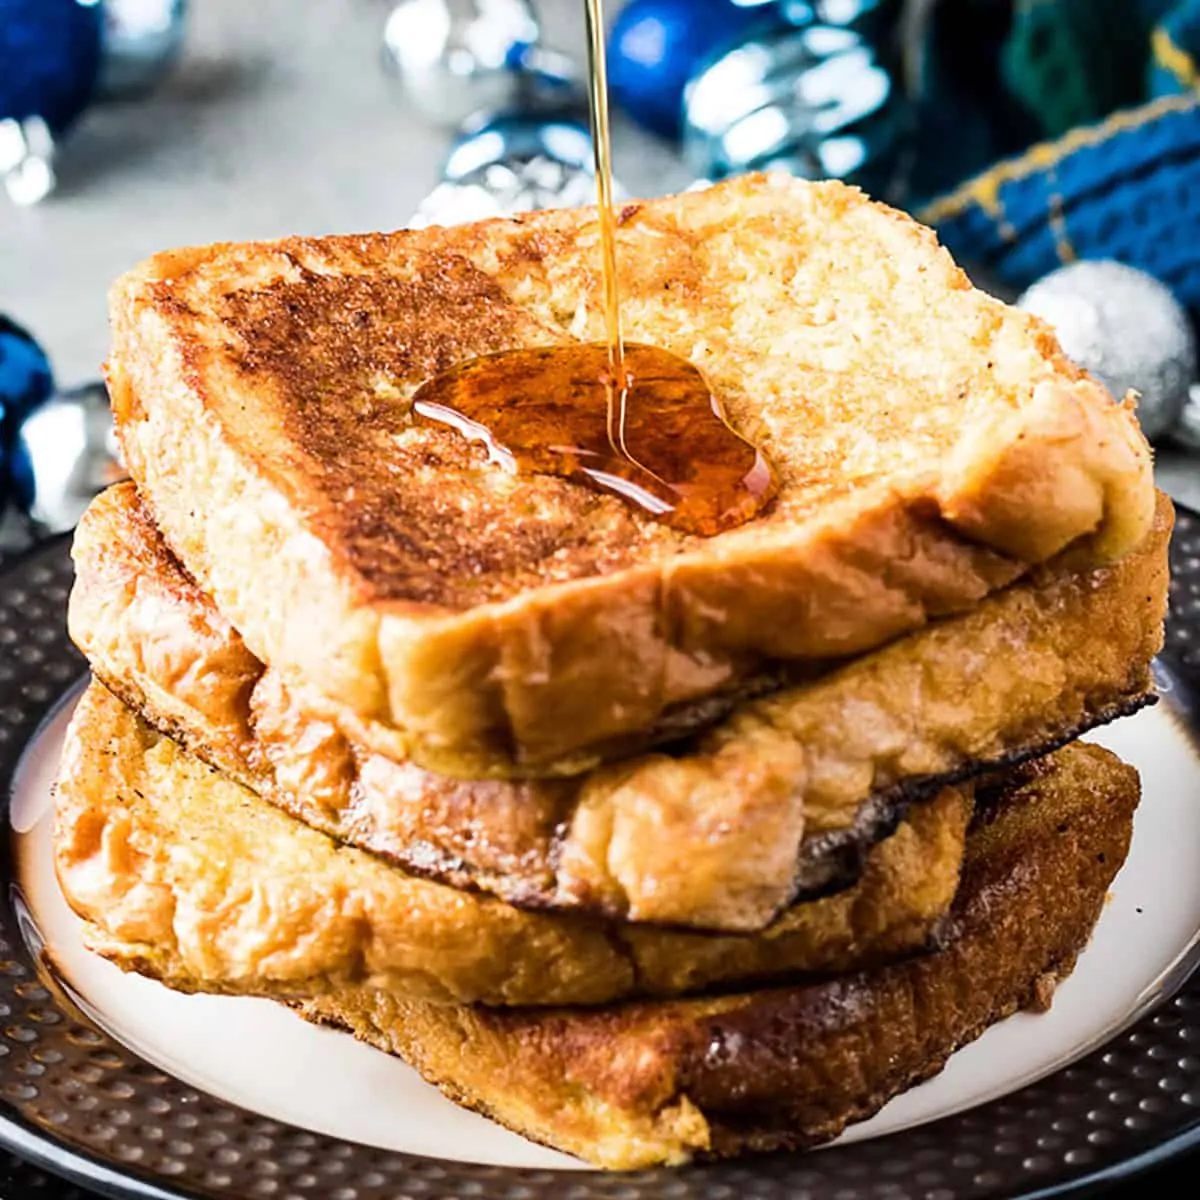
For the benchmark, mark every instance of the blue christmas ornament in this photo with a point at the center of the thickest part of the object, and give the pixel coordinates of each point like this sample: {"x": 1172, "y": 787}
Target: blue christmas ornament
{"x": 49, "y": 59}
{"x": 656, "y": 46}
{"x": 25, "y": 385}
{"x": 26, "y": 381}
{"x": 49, "y": 64}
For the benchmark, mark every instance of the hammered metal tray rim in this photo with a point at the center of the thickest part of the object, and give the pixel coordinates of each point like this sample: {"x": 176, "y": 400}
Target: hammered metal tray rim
{"x": 33, "y": 1146}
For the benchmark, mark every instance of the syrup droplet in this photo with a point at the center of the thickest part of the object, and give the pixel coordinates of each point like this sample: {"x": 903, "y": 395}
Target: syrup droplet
{"x": 661, "y": 442}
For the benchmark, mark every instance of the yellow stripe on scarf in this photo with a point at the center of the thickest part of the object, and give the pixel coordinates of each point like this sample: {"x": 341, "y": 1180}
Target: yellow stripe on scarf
{"x": 1173, "y": 58}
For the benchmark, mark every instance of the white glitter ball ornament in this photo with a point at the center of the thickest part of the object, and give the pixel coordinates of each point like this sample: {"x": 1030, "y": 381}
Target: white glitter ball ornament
{"x": 1127, "y": 329}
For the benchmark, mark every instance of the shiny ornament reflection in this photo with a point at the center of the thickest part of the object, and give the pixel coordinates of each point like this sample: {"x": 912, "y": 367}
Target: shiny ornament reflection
{"x": 64, "y": 455}
{"x": 814, "y": 95}
{"x": 457, "y": 57}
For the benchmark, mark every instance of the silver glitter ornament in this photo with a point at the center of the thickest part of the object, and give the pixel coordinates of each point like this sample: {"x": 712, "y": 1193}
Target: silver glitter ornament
{"x": 1127, "y": 329}
{"x": 65, "y": 454}
{"x": 141, "y": 41}
{"x": 455, "y": 58}
{"x": 507, "y": 164}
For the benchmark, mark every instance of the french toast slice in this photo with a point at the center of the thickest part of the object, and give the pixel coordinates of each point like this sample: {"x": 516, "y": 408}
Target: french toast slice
{"x": 779, "y": 802}
{"x": 186, "y": 876}
{"x": 930, "y": 445}
{"x": 647, "y": 1083}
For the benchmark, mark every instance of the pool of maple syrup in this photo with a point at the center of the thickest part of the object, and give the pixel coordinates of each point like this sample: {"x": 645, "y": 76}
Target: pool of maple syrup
{"x": 636, "y": 421}
{"x": 661, "y": 441}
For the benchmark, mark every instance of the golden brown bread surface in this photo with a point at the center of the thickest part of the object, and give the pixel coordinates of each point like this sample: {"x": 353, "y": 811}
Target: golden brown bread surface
{"x": 930, "y": 444}
{"x": 638, "y": 1084}
{"x": 709, "y": 834}
{"x": 184, "y": 875}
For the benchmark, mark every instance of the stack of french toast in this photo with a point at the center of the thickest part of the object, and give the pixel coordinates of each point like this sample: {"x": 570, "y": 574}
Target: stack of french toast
{"x": 649, "y": 845}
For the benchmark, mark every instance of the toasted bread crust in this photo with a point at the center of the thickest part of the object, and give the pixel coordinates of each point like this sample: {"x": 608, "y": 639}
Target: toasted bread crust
{"x": 186, "y": 876}
{"x": 646, "y": 1083}
{"x": 795, "y": 786}
{"x": 931, "y": 445}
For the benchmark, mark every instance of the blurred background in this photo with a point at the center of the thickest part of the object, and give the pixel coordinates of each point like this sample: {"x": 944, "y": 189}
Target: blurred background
{"x": 1053, "y": 144}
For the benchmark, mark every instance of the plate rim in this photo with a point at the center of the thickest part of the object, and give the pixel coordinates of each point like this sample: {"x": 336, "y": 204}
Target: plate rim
{"x": 28, "y": 1138}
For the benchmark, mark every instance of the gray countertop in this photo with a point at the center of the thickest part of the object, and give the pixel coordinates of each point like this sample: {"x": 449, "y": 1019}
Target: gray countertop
{"x": 280, "y": 119}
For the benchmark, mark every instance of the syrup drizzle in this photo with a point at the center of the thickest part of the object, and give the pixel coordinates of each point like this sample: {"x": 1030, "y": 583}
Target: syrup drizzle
{"x": 545, "y": 410}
